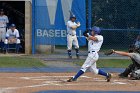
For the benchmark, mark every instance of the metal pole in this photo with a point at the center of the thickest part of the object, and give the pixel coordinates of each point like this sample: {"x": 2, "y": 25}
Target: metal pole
{"x": 89, "y": 13}
{"x": 33, "y": 26}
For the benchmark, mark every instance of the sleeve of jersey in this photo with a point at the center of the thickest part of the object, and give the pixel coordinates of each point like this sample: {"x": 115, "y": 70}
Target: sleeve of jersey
{"x": 17, "y": 34}
{"x": 7, "y": 20}
{"x": 7, "y": 33}
{"x": 99, "y": 38}
{"x": 132, "y": 55}
{"x": 69, "y": 24}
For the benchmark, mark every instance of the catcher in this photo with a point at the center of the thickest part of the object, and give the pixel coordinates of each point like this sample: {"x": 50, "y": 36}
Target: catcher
{"x": 134, "y": 68}
{"x": 12, "y": 36}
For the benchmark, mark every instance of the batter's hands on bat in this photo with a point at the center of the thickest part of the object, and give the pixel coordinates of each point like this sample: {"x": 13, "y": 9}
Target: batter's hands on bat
{"x": 109, "y": 52}
{"x": 78, "y": 24}
{"x": 86, "y": 33}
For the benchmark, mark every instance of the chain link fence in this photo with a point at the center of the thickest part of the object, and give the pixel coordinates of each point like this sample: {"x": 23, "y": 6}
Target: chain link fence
{"x": 119, "y": 38}
{"x": 117, "y": 14}
{"x": 121, "y": 21}
{"x": 120, "y": 25}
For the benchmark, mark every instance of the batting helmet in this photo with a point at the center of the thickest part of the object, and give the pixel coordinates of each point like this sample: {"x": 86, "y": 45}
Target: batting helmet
{"x": 72, "y": 16}
{"x": 133, "y": 48}
{"x": 96, "y": 29}
{"x": 12, "y": 25}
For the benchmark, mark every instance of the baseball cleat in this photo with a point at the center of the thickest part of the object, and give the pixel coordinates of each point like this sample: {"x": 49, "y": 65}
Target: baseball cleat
{"x": 5, "y": 52}
{"x": 108, "y": 78}
{"x": 71, "y": 80}
{"x": 77, "y": 56}
{"x": 70, "y": 57}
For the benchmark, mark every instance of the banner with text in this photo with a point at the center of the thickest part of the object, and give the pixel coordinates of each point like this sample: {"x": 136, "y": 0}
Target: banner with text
{"x": 51, "y": 17}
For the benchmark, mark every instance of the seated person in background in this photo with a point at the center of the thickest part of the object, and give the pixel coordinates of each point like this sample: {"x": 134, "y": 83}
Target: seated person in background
{"x": 12, "y": 36}
{"x": 137, "y": 42}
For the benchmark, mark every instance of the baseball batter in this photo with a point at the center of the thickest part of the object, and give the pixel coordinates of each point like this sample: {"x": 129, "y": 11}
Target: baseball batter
{"x": 94, "y": 44}
{"x": 12, "y": 36}
{"x": 71, "y": 36}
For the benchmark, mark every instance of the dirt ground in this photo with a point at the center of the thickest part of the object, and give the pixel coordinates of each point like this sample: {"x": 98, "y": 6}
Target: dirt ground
{"x": 35, "y": 82}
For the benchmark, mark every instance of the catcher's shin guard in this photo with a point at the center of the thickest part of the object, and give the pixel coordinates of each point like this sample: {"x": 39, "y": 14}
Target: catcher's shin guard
{"x": 69, "y": 54}
{"x": 126, "y": 71}
{"x": 77, "y": 53}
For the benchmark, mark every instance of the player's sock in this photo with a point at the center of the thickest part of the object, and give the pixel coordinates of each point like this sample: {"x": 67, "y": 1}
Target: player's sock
{"x": 6, "y": 47}
{"x": 78, "y": 74}
{"x": 17, "y": 48}
{"x": 102, "y": 73}
{"x": 77, "y": 51}
{"x": 2, "y": 45}
{"x": 69, "y": 52}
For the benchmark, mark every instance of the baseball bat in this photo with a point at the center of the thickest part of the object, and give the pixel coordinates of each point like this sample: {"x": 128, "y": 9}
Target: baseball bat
{"x": 99, "y": 20}
{"x": 71, "y": 13}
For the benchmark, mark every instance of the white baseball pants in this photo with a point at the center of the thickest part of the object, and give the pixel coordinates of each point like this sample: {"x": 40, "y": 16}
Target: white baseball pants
{"x": 90, "y": 63}
{"x": 2, "y": 34}
{"x": 72, "y": 40}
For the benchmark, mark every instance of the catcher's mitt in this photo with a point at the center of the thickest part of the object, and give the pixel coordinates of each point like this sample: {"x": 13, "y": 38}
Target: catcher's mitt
{"x": 109, "y": 52}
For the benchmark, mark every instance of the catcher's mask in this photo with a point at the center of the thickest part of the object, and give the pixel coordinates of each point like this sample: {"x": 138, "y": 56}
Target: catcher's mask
{"x": 133, "y": 48}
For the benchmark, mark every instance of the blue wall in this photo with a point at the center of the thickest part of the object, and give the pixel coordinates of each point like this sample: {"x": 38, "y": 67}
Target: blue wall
{"x": 50, "y": 17}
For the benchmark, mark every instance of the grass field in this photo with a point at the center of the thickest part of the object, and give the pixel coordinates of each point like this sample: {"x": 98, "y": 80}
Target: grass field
{"x": 103, "y": 49}
{"x": 113, "y": 63}
{"x": 20, "y": 62}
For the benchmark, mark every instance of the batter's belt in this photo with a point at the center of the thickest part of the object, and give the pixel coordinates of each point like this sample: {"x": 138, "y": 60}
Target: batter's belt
{"x": 71, "y": 35}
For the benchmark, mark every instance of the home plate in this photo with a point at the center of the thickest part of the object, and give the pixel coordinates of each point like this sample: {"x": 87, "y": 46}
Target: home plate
{"x": 2, "y": 90}
{"x": 120, "y": 83}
